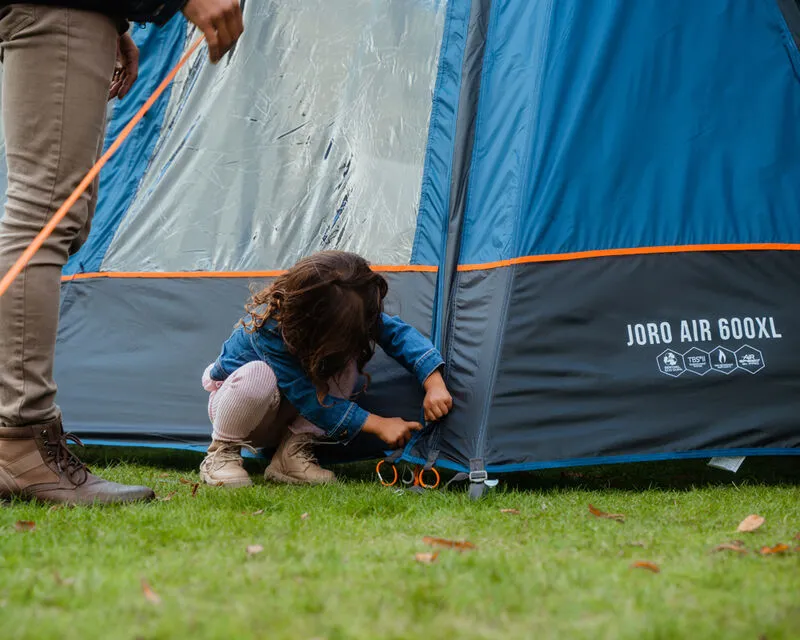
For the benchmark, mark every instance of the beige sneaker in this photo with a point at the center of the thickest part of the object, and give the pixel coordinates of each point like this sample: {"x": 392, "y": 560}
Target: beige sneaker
{"x": 223, "y": 466}
{"x": 294, "y": 462}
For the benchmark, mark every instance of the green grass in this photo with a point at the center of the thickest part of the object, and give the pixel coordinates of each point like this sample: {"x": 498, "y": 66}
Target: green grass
{"x": 348, "y": 570}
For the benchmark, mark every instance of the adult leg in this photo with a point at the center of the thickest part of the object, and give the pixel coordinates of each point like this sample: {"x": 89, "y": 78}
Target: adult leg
{"x": 57, "y": 67}
{"x": 241, "y": 412}
{"x": 294, "y": 461}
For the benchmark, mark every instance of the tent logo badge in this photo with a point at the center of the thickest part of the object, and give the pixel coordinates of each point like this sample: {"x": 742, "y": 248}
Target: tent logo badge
{"x": 671, "y": 363}
{"x": 750, "y": 359}
{"x": 723, "y": 360}
{"x": 700, "y": 362}
{"x": 697, "y": 361}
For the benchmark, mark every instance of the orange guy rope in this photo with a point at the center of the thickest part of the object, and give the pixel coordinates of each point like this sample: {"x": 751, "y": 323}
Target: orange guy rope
{"x": 26, "y": 256}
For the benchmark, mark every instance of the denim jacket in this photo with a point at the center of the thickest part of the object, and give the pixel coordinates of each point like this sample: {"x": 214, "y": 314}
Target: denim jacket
{"x": 340, "y": 419}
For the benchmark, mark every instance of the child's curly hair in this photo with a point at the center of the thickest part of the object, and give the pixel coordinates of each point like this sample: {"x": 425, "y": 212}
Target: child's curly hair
{"x": 328, "y": 307}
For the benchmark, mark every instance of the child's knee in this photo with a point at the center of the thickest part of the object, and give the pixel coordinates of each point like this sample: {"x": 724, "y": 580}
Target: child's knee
{"x": 255, "y": 382}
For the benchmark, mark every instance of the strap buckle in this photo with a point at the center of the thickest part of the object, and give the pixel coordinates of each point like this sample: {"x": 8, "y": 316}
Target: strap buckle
{"x": 478, "y": 476}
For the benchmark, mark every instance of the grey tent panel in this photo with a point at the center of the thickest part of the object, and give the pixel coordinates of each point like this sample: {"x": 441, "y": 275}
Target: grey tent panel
{"x": 536, "y": 388}
{"x": 131, "y": 353}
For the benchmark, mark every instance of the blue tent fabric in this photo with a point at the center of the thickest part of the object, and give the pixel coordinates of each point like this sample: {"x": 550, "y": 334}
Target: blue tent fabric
{"x": 434, "y": 202}
{"x": 622, "y": 125}
{"x": 634, "y": 123}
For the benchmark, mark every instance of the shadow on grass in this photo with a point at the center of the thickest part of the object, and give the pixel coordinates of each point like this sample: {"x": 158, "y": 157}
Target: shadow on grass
{"x": 668, "y": 476}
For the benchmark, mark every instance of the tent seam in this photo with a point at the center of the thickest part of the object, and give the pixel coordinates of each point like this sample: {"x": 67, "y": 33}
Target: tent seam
{"x": 435, "y": 116}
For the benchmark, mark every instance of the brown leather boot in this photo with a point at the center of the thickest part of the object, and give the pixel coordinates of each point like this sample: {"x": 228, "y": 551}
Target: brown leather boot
{"x": 294, "y": 463}
{"x": 35, "y": 462}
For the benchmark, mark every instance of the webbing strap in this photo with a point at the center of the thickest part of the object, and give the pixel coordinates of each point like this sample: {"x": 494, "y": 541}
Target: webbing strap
{"x": 394, "y": 456}
{"x": 477, "y": 470}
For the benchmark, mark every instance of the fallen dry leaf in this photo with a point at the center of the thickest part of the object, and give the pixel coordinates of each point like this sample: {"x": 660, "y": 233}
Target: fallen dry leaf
{"x": 168, "y": 497}
{"x": 64, "y": 582}
{"x": 253, "y": 549}
{"x": 461, "y": 545}
{"x": 797, "y": 536}
{"x": 304, "y": 516}
{"x": 778, "y": 548}
{"x": 151, "y": 596}
{"x": 750, "y": 523}
{"x": 736, "y": 545}
{"x": 637, "y": 544}
{"x": 426, "y": 558}
{"x": 195, "y": 487}
{"x": 602, "y": 514}
{"x": 513, "y": 512}
{"x": 185, "y": 481}
{"x": 258, "y": 513}
{"x": 25, "y": 525}
{"x": 646, "y": 565}
{"x": 163, "y": 475}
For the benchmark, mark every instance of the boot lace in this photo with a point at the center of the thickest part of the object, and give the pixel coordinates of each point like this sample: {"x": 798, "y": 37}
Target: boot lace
{"x": 66, "y": 461}
{"x": 229, "y": 452}
{"x": 303, "y": 450}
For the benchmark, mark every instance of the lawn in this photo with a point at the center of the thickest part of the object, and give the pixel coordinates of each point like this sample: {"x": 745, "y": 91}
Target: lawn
{"x": 339, "y": 562}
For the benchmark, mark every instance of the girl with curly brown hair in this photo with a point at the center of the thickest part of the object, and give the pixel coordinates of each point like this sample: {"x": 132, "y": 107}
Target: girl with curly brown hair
{"x": 288, "y": 372}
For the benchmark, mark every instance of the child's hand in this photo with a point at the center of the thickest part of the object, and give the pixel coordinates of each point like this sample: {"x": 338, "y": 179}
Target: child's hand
{"x": 438, "y": 401}
{"x": 395, "y": 432}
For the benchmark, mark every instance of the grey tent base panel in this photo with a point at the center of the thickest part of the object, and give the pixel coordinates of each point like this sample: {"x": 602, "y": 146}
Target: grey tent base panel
{"x": 131, "y": 353}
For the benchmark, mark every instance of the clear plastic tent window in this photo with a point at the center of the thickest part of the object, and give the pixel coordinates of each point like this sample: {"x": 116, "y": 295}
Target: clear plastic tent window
{"x": 311, "y": 136}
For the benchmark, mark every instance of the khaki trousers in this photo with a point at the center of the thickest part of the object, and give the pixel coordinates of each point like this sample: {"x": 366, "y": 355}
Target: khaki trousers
{"x": 57, "y": 68}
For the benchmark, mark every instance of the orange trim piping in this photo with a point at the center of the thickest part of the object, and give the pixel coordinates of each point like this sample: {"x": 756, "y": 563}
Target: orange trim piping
{"x": 406, "y": 268}
{"x": 160, "y": 275}
{"x": 636, "y": 251}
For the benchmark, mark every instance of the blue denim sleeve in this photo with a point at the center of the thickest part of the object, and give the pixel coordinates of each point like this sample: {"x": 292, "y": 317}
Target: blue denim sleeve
{"x": 340, "y": 419}
{"x": 236, "y": 352}
{"x": 409, "y": 347}
{"x": 218, "y": 373}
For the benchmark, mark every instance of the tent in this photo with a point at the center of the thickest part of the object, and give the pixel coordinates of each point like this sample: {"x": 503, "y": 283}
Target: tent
{"x": 592, "y": 207}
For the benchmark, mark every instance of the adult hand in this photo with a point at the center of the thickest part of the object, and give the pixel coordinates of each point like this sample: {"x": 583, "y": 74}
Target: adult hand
{"x": 127, "y": 68}
{"x": 219, "y": 20}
